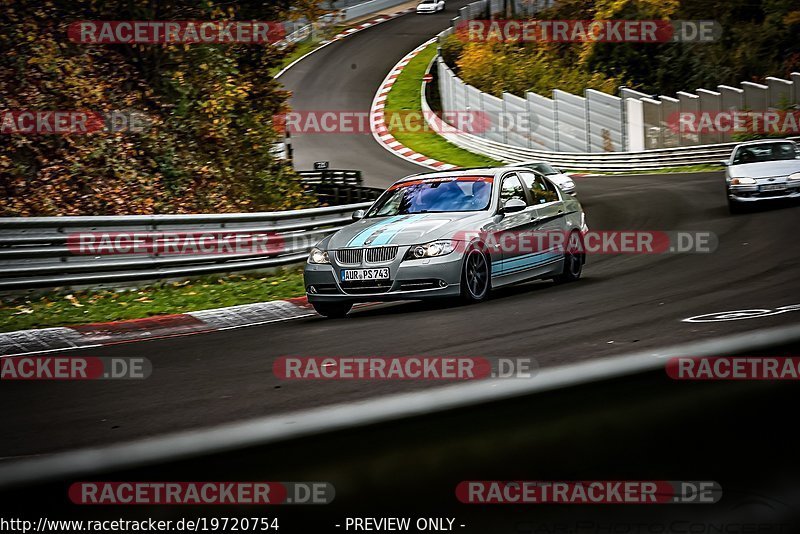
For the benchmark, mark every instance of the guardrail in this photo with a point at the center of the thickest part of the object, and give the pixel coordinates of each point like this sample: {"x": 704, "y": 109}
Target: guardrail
{"x": 46, "y": 251}
{"x": 339, "y": 186}
{"x": 365, "y": 8}
{"x": 609, "y": 161}
{"x": 337, "y": 15}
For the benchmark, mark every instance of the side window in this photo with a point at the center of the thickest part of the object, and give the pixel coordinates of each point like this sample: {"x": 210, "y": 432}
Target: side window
{"x": 542, "y": 191}
{"x": 512, "y": 188}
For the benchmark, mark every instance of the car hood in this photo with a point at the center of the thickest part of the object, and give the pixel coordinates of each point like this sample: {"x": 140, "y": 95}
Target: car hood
{"x": 560, "y": 179}
{"x": 405, "y": 229}
{"x": 765, "y": 169}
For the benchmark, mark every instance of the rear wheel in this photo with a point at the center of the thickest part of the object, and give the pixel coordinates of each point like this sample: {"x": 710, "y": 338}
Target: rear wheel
{"x": 475, "y": 276}
{"x": 332, "y": 310}
{"x": 574, "y": 258}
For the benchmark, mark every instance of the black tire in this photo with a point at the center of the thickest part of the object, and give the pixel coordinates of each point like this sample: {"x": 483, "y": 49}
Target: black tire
{"x": 574, "y": 258}
{"x": 735, "y": 207}
{"x": 332, "y": 310}
{"x": 475, "y": 276}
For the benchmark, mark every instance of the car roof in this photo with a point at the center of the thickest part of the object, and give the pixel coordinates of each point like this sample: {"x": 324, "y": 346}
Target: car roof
{"x": 472, "y": 171}
{"x": 469, "y": 171}
{"x": 765, "y": 141}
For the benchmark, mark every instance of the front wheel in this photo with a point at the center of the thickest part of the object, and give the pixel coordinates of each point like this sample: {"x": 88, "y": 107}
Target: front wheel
{"x": 574, "y": 258}
{"x": 475, "y": 276}
{"x": 332, "y": 310}
{"x": 735, "y": 207}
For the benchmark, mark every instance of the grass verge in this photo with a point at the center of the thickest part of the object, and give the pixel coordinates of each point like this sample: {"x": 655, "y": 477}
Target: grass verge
{"x": 405, "y": 96}
{"x": 58, "y": 308}
{"x": 302, "y": 48}
{"x": 705, "y": 167}
{"x": 702, "y": 167}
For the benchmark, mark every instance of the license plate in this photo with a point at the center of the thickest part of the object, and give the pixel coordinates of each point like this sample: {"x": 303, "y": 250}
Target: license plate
{"x": 773, "y": 187}
{"x": 355, "y": 275}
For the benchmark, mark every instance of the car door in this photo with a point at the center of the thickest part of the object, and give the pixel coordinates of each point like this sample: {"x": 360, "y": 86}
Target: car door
{"x": 550, "y": 218}
{"x": 513, "y": 260}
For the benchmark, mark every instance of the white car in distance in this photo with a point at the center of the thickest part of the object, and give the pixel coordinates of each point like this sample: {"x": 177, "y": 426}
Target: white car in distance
{"x": 560, "y": 178}
{"x": 430, "y": 6}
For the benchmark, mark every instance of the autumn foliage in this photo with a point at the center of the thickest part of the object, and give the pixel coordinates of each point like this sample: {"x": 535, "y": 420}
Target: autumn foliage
{"x": 759, "y": 38}
{"x": 210, "y": 108}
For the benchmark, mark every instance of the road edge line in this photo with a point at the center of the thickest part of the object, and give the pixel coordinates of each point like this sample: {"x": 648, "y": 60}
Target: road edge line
{"x": 377, "y": 122}
{"x": 342, "y": 35}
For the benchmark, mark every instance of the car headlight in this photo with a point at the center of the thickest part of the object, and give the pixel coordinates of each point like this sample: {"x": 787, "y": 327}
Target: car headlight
{"x": 430, "y": 250}
{"x": 569, "y": 185}
{"x": 318, "y": 256}
{"x": 743, "y": 181}
{"x": 794, "y": 177}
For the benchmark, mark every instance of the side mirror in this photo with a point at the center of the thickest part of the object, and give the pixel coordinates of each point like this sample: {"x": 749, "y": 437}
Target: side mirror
{"x": 514, "y": 205}
{"x": 358, "y": 215}
{"x": 723, "y": 162}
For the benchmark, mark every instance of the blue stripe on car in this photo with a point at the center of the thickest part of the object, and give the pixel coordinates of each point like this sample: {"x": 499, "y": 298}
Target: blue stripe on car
{"x": 386, "y": 234}
{"x": 521, "y": 268}
{"x": 361, "y": 237}
{"x": 525, "y": 262}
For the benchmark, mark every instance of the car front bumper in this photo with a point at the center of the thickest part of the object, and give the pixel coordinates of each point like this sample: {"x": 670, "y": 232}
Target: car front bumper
{"x": 753, "y": 193}
{"x": 408, "y": 280}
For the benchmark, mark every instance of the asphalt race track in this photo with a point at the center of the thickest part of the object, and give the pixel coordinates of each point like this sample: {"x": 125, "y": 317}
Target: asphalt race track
{"x": 345, "y": 77}
{"x": 623, "y": 303}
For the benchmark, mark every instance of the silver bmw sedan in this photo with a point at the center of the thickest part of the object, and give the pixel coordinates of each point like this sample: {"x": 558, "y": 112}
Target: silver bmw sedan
{"x": 455, "y": 234}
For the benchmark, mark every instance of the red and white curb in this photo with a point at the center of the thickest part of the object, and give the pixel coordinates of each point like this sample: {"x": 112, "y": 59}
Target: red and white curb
{"x": 347, "y": 33}
{"x": 383, "y": 136}
{"x": 42, "y": 340}
{"x": 23, "y": 342}
{"x": 377, "y": 118}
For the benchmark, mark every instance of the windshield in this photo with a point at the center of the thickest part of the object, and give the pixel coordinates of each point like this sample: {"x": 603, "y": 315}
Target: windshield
{"x": 765, "y": 152}
{"x": 543, "y": 168}
{"x": 435, "y": 195}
